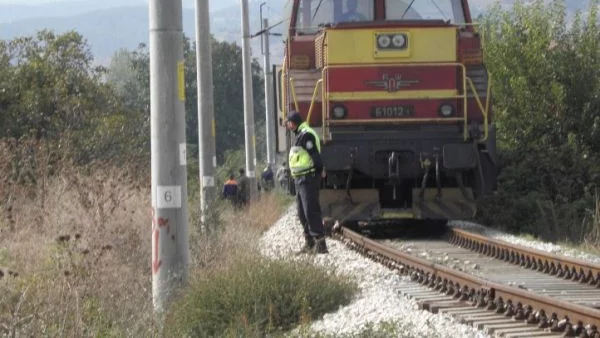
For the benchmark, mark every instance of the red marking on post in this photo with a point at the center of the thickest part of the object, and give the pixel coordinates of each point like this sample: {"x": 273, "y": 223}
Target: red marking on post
{"x": 156, "y": 263}
{"x": 160, "y": 222}
{"x": 163, "y": 222}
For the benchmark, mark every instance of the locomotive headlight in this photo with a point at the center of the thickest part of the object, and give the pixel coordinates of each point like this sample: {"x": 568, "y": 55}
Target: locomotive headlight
{"x": 339, "y": 112}
{"x": 399, "y": 40}
{"x": 446, "y": 110}
{"x": 384, "y": 41}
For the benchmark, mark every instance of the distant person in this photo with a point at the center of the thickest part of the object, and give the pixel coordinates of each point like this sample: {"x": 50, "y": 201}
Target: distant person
{"x": 351, "y": 13}
{"x": 230, "y": 190}
{"x": 267, "y": 178}
{"x": 282, "y": 176}
{"x": 243, "y": 189}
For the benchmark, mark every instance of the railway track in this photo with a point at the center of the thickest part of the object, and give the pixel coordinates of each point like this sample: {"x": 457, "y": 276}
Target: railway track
{"x": 508, "y": 290}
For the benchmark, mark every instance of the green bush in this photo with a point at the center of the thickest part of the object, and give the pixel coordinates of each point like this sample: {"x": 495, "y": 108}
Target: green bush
{"x": 546, "y": 72}
{"x": 256, "y": 296}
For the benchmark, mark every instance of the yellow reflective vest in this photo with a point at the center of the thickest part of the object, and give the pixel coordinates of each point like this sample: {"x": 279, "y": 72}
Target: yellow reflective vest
{"x": 299, "y": 159}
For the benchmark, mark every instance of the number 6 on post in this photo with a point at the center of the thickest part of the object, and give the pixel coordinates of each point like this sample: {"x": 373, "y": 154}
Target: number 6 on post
{"x": 168, "y": 197}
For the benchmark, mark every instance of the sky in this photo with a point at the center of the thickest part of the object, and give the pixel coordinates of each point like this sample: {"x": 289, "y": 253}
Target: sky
{"x": 33, "y": 2}
{"x": 30, "y": 2}
{"x": 186, "y": 3}
{"x": 37, "y": 2}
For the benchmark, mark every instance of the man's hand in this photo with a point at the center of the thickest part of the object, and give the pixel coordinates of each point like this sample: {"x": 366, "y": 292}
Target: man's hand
{"x": 323, "y": 173}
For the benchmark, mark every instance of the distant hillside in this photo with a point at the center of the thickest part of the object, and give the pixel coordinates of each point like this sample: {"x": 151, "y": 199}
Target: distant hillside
{"x": 66, "y": 8}
{"x": 17, "y": 12}
{"x": 108, "y": 30}
{"x": 109, "y": 25}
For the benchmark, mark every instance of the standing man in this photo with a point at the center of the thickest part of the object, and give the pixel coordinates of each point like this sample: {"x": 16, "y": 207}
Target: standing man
{"x": 230, "y": 190}
{"x": 243, "y": 189}
{"x": 306, "y": 168}
{"x": 267, "y": 178}
{"x": 282, "y": 176}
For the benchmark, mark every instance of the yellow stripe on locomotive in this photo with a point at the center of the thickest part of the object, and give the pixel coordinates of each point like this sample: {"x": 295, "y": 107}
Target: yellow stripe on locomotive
{"x": 360, "y": 46}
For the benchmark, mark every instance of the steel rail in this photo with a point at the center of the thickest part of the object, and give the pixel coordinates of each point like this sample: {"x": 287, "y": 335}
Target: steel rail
{"x": 564, "y": 267}
{"x": 547, "y": 312}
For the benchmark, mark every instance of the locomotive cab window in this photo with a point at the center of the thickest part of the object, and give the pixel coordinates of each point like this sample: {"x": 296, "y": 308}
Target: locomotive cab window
{"x": 313, "y": 14}
{"x": 354, "y": 10}
{"x": 447, "y": 10}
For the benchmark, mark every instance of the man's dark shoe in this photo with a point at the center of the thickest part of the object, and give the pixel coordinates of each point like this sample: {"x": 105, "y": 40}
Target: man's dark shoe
{"x": 309, "y": 245}
{"x": 321, "y": 246}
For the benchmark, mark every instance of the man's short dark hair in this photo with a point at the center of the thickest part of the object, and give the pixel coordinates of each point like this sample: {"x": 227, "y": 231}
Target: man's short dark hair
{"x": 242, "y": 171}
{"x": 295, "y": 117}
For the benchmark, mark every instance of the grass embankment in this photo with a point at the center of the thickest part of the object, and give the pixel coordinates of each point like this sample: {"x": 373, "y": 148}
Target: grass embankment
{"x": 242, "y": 294}
{"x": 80, "y": 244}
{"x": 253, "y": 297}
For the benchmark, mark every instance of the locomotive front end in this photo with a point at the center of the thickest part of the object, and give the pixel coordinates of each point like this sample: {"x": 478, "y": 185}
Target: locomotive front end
{"x": 401, "y": 100}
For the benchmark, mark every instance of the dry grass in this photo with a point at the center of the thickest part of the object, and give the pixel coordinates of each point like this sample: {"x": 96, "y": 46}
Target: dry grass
{"x": 79, "y": 240}
{"x": 79, "y": 244}
{"x": 235, "y": 232}
{"x": 591, "y": 225}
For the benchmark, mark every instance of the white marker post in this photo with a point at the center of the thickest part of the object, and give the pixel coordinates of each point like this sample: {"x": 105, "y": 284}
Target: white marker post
{"x": 206, "y": 119}
{"x": 170, "y": 248}
{"x": 248, "y": 102}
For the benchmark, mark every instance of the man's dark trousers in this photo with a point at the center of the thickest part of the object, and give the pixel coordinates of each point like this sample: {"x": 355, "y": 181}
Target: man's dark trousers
{"x": 307, "y": 201}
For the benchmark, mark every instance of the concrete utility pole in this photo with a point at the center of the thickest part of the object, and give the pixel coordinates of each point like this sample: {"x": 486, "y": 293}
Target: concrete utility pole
{"x": 248, "y": 102}
{"x": 170, "y": 248}
{"x": 206, "y": 120}
{"x": 268, "y": 95}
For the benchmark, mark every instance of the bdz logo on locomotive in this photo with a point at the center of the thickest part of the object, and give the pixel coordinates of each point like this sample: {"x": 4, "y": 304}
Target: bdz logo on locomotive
{"x": 391, "y": 83}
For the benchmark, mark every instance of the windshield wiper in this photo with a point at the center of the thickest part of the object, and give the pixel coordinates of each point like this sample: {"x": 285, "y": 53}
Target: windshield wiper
{"x": 439, "y": 10}
{"x": 407, "y": 8}
{"x": 316, "y": 10}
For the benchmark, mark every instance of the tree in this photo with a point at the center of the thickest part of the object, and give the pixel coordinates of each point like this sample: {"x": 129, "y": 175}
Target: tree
{"x": 52, "y": 93}
{"x": 7, "y": 91}
{"x": 55, "y": 84}
{"x": 124, "y": 76}
{"x": 228, "y": 93}
{"x": 129, "y": 75}
{"x": 228, "y": 97}
{"x": 546, "y": 83}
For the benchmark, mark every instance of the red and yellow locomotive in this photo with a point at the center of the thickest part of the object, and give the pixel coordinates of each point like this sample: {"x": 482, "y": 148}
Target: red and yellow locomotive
{"x": 399, "y": 94}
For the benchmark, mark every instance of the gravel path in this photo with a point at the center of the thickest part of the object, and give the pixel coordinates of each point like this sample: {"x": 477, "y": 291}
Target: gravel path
{"x": 379, "y": 299}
